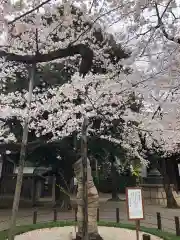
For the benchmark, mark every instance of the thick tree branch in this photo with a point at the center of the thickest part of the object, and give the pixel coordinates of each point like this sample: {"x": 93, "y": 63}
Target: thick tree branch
{"x": 85, "y": 52}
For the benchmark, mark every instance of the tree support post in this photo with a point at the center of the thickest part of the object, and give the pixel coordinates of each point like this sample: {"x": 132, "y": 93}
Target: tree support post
{"x": 22, "y": 159}
{"x": 84, "y": 178}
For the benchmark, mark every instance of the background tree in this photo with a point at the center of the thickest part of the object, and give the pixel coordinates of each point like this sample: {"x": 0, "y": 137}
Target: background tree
{"x": 163, "y": 161}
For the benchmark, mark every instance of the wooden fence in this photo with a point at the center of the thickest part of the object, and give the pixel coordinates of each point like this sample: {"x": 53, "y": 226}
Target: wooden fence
{"x": 116, "y": 215}
{"x": 117, "y": 219}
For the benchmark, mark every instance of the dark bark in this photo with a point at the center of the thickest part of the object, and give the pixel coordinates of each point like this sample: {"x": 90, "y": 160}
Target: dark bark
{"x": 114, "y": 180}
{"x": 85, "y": 52}
{"x": 114, "y": 183}
{"x": 160, "y": 24}
{"x": 34, "y": 187}
{"x": 171, "y": 202}
{"x": 57, "y": 189}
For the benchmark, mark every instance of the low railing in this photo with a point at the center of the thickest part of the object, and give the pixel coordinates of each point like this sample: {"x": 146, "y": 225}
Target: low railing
{"x": 39, "y": 215}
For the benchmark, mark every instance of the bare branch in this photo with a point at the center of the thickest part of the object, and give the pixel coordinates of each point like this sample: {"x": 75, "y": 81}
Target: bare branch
{"x": 29, "y": 12}
{"x": 161, "y": 24}
{"x": 92, "y": 24}
{"x": 92, "y": 4}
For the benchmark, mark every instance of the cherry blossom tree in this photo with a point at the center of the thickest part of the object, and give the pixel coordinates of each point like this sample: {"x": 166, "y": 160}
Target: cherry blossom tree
{"x": 153, "y": 37}
{"x": 34, "y": 37}
{"x": 37, "y": 32}
{"x": 58, "y": 112}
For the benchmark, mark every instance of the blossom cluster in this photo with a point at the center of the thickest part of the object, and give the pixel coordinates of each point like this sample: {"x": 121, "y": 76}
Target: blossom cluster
{"x": 105, "y": 91}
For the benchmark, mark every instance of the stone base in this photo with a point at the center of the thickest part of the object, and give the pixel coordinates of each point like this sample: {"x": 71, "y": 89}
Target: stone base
{"x": 90, "y": 237}
{"x": 154, "y": 194}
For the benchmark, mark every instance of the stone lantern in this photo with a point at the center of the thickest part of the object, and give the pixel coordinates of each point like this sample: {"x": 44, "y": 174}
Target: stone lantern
{"x": 154, "y": 177}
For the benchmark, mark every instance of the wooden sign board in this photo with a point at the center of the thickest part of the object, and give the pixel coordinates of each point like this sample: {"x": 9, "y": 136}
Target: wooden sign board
{"x": 135, "y": 204}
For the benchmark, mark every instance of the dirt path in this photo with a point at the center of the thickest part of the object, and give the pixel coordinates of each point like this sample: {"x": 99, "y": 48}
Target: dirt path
{"x": 107, "y": 233}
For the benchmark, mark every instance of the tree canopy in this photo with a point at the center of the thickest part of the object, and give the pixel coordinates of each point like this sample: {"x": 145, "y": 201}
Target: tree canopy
{"x": 56, "y": 37}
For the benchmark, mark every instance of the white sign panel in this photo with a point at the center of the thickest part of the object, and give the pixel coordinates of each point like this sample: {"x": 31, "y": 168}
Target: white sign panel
{"x": 135, "y": 203}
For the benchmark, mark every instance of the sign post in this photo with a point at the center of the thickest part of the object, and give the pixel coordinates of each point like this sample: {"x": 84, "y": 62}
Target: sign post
{"x": 135, "y": 206}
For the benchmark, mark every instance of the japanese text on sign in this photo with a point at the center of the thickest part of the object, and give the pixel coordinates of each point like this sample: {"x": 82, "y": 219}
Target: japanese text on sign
{"x": 135, "y": 203}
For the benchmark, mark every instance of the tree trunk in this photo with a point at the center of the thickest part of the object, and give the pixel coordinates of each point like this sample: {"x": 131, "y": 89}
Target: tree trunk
{"x": 171, "y": 202}
{"x": 114, "y": 183}
{"x": 114, "y": 196}
{"x": 93, "y": 202}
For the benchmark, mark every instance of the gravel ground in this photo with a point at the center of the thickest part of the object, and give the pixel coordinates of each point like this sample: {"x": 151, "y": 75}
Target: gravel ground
{"x": 67, "y": 233}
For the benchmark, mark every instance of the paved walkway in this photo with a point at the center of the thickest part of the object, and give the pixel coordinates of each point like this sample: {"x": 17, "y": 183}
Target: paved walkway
{"x": 107, "y": 212}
